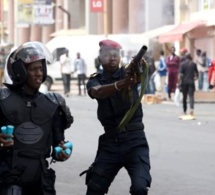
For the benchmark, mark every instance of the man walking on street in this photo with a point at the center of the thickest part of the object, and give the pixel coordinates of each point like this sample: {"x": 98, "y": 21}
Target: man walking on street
{"x": 81, "y": 70}
{"x": 66, "y": 70}
{"x": 187, "y": 75}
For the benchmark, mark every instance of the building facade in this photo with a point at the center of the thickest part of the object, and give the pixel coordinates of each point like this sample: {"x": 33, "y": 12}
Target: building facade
{"x": 195, "y": 26}
{"x": 118, "y": 17}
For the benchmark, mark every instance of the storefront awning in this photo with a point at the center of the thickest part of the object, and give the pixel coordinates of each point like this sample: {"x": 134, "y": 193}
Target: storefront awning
{"x": 69, "y": 32}
{"x": 154, "y": 33}
{"x": 151, "y": 34}
{"x": 177, "y": 33}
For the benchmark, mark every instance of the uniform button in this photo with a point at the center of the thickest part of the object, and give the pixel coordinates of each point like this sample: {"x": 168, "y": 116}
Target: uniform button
{"x": 116, "y": 140}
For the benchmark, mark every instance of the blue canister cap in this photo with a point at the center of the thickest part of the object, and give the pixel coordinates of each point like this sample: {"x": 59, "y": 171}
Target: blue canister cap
{"x": 67, "y": 151}
{"x": 4, "y": 129}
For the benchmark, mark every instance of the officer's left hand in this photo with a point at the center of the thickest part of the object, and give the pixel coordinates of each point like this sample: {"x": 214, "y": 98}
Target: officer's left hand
{"x": 5, "y": 142}
{"x": 133, "y": 72}
{"x": 62, "y": 156}
{"x": 131, "y": 78}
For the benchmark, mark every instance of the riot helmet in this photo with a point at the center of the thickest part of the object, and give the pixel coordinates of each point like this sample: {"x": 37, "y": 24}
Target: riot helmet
{"x": 25, "y": 54}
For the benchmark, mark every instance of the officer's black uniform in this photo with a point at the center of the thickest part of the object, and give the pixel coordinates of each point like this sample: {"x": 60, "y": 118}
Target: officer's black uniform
{"x": 39, "y": 122}
{"x": 127, "y": 149}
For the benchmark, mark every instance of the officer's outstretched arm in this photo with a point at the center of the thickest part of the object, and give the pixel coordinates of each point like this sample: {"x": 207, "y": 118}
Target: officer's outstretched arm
{"x": 104, "y": 91}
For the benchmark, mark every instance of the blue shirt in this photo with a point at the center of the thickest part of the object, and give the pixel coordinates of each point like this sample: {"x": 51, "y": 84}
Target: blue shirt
{"x": 162, "y": 67}
{"x": 111, "y": 110}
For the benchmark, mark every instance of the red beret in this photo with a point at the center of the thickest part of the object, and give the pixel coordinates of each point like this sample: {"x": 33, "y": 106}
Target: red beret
{"x": 184, "y": 50}
{"x": 109, "y": 44}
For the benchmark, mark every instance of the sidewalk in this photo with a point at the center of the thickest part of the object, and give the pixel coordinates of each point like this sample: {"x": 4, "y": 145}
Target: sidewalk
{"x": 58, "y": 87}
{"x": 205, "y": 97}
{"x": 200, "y": 96}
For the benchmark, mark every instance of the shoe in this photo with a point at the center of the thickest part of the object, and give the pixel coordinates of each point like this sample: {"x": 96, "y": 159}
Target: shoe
{"x": 191, "y": 113}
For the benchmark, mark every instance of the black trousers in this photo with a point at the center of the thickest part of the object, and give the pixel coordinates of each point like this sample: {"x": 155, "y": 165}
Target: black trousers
{"x": 30, "y": 190}
{"x": 81, "y": 81}
{"x": 188, "y": 90}
{"x": 66, "y": 82}
{"x": 129, "y": 150}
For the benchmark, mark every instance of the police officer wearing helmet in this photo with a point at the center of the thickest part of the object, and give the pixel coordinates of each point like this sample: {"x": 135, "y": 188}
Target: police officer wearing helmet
{"x": 118, "y": 147}
{"x": 39, "y": 121}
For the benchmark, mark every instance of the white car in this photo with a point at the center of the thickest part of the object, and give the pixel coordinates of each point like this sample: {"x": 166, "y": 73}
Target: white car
{"x": 53, "y": 74}
{"x": 53, "y": 69}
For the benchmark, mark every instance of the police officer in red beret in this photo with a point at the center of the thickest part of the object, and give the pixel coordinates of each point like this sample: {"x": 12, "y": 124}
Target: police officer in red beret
{"x": 118, "y": 147}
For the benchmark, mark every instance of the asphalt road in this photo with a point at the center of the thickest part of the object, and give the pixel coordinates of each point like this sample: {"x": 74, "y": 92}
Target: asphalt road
{"x": 182, "y": 152}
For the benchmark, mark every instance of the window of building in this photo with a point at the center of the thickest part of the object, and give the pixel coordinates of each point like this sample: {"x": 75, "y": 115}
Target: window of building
{"x": 205, "y": 5}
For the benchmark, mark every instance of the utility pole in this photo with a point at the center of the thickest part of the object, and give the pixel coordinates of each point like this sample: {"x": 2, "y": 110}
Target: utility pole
{"x": 68, "y": 16}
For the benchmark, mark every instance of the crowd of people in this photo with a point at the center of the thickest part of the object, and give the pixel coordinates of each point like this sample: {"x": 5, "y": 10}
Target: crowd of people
{"x": 174, "y": 72}
{"x": 187, "y": 73}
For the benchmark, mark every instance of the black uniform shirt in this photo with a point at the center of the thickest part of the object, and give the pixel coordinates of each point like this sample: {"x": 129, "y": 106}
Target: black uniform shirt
{"x": 57, "y": 124}
{"x": 111, "y": 110}
{"x": 189, "y": 70}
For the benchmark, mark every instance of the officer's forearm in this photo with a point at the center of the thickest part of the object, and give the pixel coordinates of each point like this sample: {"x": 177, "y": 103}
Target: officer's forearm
{"x": 101, "y": 92}
{"x": 104, "y": 91}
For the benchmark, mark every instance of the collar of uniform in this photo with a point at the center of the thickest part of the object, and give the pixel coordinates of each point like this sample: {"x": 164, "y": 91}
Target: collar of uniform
{"x": 115, "y": 75}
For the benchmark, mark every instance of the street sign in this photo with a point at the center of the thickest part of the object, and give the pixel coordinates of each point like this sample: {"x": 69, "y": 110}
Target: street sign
{"x": 96, "y": 5}
{"x": 39, "y": 12}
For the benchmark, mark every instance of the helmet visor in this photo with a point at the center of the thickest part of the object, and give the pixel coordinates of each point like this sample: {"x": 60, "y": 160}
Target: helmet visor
{"x": 33, "y": 51}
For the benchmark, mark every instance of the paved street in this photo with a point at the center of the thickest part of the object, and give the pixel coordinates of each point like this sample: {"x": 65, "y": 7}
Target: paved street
{"x": 182, "y": 152}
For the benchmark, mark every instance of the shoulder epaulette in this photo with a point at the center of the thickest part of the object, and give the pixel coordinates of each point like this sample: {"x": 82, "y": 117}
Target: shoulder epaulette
{"x": 56, "y": 98}
{"x": 94, "y": 75}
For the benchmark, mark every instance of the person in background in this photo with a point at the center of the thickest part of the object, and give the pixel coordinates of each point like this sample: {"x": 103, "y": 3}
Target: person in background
{"x": 173, "y": 63}
{"x": 66, "y": 71}
{"x": 187, "y": 75}
{"x": 211, "y": 75}
{"x": 150, "y": 88}
{"x": 162, "y": 71}
{"x": 120, "y": 146}
{"x": 38, "y": 122}
{"x": 81, "y": 70}
{"x": 201, "y": 68}
{"x": 206, "y": 62}
{"x": 2, "y": 65}
{"x": 183, "y": 51}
